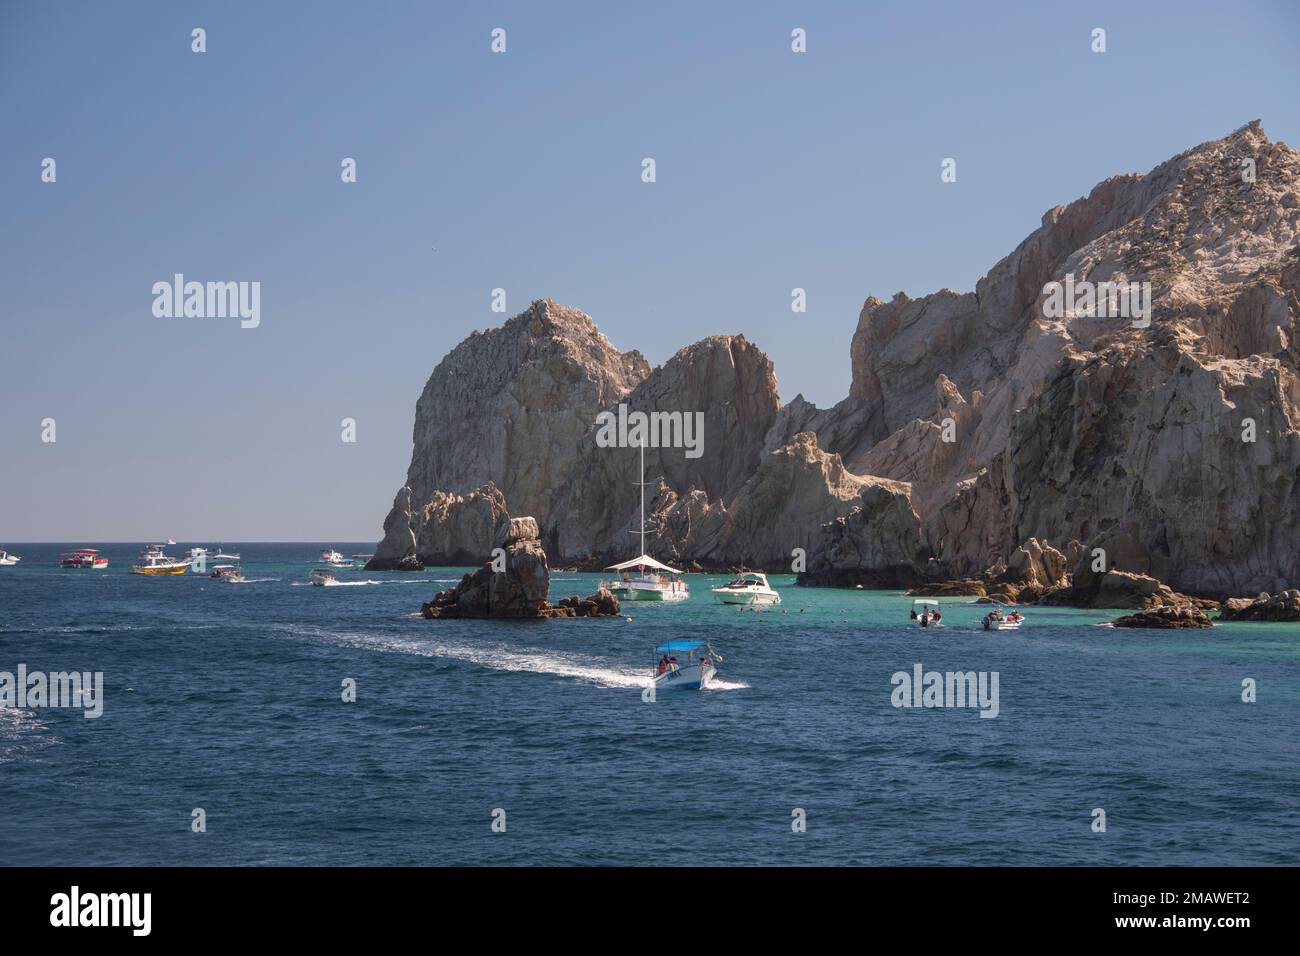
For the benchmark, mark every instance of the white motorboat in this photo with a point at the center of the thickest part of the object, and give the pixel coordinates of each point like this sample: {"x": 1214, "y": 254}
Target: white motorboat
{"x": 229, "y": 573}
{"x": 334, "y": 559}
{"x": 221, "y": 554}
{"x": 643, "y": 578}
{"x": 322, "y": 576}
{"x": 995, "y": 620}
{"x": 361, "y": 560}
{"x": 749, "y": 588}
{"x": 926, "y": 613}
{"x": 692, "y": 673}
{"x": 7, "y": 559}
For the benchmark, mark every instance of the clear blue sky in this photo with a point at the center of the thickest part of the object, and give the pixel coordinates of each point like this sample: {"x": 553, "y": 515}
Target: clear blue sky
{"x": 522, "y": 171}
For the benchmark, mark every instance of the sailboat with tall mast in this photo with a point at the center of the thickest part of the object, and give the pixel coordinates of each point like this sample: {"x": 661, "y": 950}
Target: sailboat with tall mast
{"x": 643, "y": 578}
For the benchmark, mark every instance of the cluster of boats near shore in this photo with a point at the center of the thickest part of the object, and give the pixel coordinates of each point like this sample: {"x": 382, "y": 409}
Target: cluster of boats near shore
{"x": 155, "y": 560}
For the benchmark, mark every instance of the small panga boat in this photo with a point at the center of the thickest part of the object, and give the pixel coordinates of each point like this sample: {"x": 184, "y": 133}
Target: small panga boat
{"x": 995, "y": 620}
{"x": 322, "y": 576}
{"x": 692, "y": 671}
{"x": 926, "y": 613}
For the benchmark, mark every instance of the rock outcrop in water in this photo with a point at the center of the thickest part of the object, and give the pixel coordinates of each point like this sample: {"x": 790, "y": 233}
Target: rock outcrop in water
{"x": 986, "y": 436}
{"x": 520, "y": 590}
{"x": 1279, "y": 607}
{"x": 1167, "y": 616}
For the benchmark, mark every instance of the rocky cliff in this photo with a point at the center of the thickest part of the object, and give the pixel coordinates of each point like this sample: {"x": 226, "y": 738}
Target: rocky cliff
{"x": 1167, "y": 442}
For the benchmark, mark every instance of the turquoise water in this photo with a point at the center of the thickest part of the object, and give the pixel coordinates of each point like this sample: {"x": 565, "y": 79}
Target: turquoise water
{"x": 227, "y": 698}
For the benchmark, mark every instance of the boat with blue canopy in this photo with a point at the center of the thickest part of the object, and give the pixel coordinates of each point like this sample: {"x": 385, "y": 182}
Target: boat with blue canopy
{"x": 685, "y": 665}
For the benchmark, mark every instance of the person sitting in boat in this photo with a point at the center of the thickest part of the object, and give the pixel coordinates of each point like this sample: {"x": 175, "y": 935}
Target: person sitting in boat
{"x": 914, "y": 614}
{"x": 925, "y": 618}
{"x": 663, "y": 663}
{"x": 936, "y": 616}
{"x": 672, "y": 664}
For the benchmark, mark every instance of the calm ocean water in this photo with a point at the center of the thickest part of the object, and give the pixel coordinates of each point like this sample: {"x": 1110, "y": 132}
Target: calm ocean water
{"x": 227, "y": 698}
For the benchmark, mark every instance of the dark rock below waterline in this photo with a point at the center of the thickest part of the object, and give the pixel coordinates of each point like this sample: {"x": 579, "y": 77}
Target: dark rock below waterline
{"x": 1284, "y": 606}
{"x": 1167, "y": 616}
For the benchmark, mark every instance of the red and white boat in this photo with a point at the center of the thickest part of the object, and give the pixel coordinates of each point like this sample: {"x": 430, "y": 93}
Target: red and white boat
{"x": 84, "y": 558}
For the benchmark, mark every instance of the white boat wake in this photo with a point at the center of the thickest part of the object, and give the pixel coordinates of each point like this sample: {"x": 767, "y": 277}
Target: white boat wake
{"x": 353, "y": 584}
{"x": 499, "y": 657}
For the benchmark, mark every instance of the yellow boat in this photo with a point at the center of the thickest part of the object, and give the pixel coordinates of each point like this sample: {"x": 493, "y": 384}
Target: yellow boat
{"x": 154, "y": 561}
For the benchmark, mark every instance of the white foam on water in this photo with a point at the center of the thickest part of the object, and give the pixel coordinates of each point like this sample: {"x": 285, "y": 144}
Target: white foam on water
{"x": 603, "y": 673}
{"x": 351, "y": 584}
{"x": 21, "y": 733}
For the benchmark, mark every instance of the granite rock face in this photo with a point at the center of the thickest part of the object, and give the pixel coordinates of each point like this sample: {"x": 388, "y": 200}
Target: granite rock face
{"x": 506, "y": 407}
{"x": 988, "y": 436}
{"x": 1172, "y": 447}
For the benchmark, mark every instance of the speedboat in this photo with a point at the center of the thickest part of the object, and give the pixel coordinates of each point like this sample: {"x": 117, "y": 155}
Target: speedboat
{"x": 154, "y": 561}
{"x": 322, "y": 576}
{"x": 222, "y": 556}
{"x": 83, "y": 558}
{"x": 995, "y": 620}
{"x": 692, "y": 673}
{"x": 334, "y": 559}
{"x": 229, "y": 573}
{"x": 749, "y": 588}
{"x": 361, "y": 560}
{"x": 926, "y": 613}
{"x": 643, "y": 578}
{"x": 7, "y": 559}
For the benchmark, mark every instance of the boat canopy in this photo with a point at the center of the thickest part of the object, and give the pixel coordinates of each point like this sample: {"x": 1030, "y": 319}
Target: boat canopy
{"x": 683, "y": 646}
{"x": 924, "y": 601}
{"x": 642, "y": 561}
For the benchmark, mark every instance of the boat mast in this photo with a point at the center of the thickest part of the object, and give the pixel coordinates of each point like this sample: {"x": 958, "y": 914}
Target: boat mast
{"x": 642, "y": 484}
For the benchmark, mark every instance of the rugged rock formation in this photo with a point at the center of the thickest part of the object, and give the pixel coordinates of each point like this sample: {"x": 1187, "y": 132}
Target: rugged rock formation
{"x": 507, "y": 407}
{"x": 878, "y": 544}
{"x": 1280, "y": 607}
{"x": 988, "y": 436}
{"x": 733, "y": 385}
{"x": 520, "y": 591}
{"x": 1185, "y": 615}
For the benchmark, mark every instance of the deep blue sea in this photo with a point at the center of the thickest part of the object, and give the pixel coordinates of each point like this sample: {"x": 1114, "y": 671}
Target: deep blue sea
{"x": 227, "y": 697}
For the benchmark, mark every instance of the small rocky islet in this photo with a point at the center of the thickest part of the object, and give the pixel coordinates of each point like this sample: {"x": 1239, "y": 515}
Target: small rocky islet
{"x": 984, "y": 448}
{"x": 520, "y": 589}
